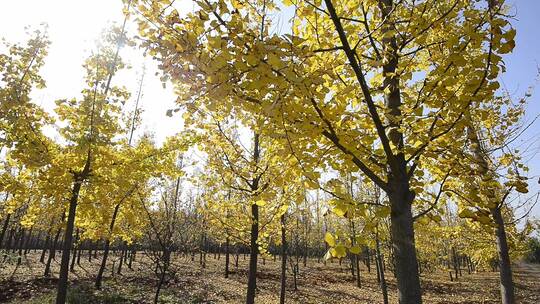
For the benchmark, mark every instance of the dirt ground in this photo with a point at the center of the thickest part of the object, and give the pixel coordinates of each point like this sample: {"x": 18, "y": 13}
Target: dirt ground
{"x": 317, "y": 283}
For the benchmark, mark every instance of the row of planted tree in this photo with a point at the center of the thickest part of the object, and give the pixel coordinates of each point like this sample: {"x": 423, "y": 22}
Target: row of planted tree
{"x": 377, "y": 126}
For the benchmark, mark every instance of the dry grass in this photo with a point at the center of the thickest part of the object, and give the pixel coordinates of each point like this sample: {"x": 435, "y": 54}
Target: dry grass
{"x": 317, "y": 283}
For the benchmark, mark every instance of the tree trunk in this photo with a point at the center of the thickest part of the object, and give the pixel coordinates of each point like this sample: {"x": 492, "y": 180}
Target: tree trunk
{"x": 295, "y": 273}
{"x": 131, "y": 258}
{"x": 283, "y": 261}
{"x": 455, "y": 262}
{"x": 31, "y": 241}
{"x": 253, "y": 254}
{"x": 355, "y": 257}
{"x": 20, "y": 246}
{"x": 158, "y": 289}
{"x": 254, "y": 247}
{"x": 45, "y": 246}
{"x": 72, "y": 266}
{"x": 357, "y": 265}
{"x": 68, "y": 235}
{"x": 99, "y": 277}
{"x": 122, "y": 253}
{"x": 227, "y": 257}
{"x": 402, "y": 233}
{"x": 166, "y": 260}
{"x": 103, "y": 265}
{"x": 4, "y": 228}
{"x": 52, "y": 252}
{"x": 79, "y": 252}
{"x": 380, "y": 271}
{"x": 505, "y": 268}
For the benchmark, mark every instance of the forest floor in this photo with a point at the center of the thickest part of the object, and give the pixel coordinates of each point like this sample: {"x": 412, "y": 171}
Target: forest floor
{"x": 317, "y": 283}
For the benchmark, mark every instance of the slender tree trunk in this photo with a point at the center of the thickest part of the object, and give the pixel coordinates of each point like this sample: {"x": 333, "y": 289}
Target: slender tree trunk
{"x": 31, "y": 241}
{"x": 455, "y": 262}
{"x": 368, "y": 259}
{"x": 505, "y": 267}
{"x": 9, "y": 241}
{"x": 283, "y": 261}
{"x": 119, "y": 270}
{"x": 357, "y": 265}
{"x": 20, "y": 245}
{"x": 380, "y": 270}
{"x": 4, "y": 229}
{"x": 295, "y": 274}
{"x": 158, "y": 289}
{"x": 253, "y": 254}
{"x": 52, "y": 252}
{"x": 99, "y": 277}
{"x": 45, "y": 246}
{"x": 351, "y": 260}
{"x": 166, "y": 261}
{"x": 72, "y": 266}
{"x": 68, "y": 235}
{"x": 16, "y": 239}
{"x": 355, "y": 258}
{"x": 254, "y": 247}
{"x": 79, "y": 252}
{"x": 201, "y": 251}
{"x": 131, "y": 257}
{"x": 125, "y": 252}
{"x": 227, "y": 257}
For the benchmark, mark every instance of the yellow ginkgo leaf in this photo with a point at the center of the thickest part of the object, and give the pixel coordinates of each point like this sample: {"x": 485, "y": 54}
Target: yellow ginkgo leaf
{"x": 329, "y": 239}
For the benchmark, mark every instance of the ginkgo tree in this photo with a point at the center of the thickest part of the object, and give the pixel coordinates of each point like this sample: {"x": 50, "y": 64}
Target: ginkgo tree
{"x": 21, "y": 120}
{"x": 245, "y": 180}
{"x": 376, "y": 86}
{"x": 495, "y": 172}
{"x": 90, "y": 125}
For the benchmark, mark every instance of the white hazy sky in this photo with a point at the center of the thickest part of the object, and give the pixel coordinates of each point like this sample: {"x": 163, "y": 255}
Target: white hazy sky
{"x": 73, "y": 27}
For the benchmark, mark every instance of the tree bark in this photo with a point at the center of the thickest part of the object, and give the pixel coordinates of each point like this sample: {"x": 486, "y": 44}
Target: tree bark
{"x": 131, "y": 258}
{"x": 397, "y": 187}
{"x": 99, "y": 277}
{"x": 227, "y": 257}
{"x": 68, "y": 235}
{"x": 45, "y": 246}
{"x": 455, "y": 262}
{"x": 122, "y": 257}
{"x": 72, "y": 266}
{"x": 166, "y": 261}
{"x": 21, "y": 245}
{"x": 52, "y": 252}
{"x": 380, "y": 270}
{"x": 253, "y": 254}
{"x": 4, "y": 228}
{"x": 402, "y": 232}
{"x": 505, "y": 267}
{"x": 283, "y": 261}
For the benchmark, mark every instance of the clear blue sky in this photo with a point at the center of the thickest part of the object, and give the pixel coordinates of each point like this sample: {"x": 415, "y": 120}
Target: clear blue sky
{"x": 522, "y": 69}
